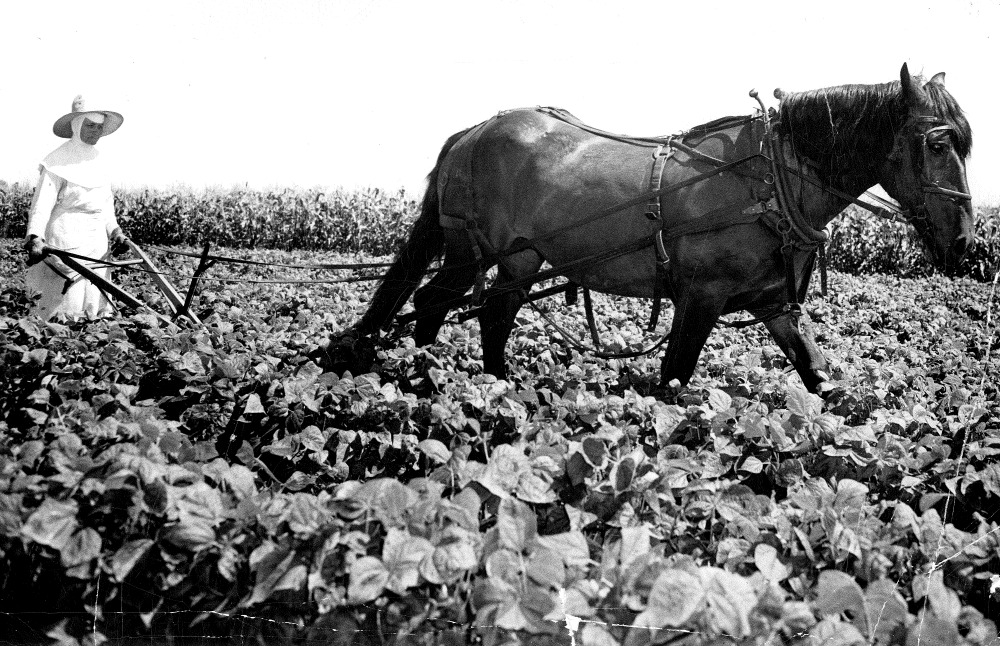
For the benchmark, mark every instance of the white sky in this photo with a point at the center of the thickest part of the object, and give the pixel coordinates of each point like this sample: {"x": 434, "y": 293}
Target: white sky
{"x": 351, "y": 93}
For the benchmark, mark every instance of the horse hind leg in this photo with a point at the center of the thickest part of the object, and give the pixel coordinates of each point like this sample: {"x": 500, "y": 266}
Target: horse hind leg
{"x": 496, "y": 318}
{"x": 424, "y": 245}
{"x": 453, "y": 280}
{"x": 426, "y": 241}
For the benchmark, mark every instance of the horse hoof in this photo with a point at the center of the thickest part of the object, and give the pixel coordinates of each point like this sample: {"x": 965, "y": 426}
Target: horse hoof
{"x": 827, "y": 389}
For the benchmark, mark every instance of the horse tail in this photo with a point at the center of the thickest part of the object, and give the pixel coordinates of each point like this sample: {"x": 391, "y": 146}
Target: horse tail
{"x": 425, "y": 243}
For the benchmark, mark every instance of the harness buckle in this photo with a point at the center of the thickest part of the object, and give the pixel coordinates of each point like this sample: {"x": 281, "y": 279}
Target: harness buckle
{"x": 762, "y": 207}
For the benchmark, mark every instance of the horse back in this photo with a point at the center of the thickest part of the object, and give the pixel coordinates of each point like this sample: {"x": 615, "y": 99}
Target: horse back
{"x": 542, "y": 158}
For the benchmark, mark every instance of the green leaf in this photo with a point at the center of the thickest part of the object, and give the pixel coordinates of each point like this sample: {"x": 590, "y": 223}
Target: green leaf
{"x": 504, "y": 567}
{"x": 827, "y": 424}
{"x": 596, "y": 635}
{"x": 752, "y": 465}
{"x": 730, "y": 601}
{"x": 402, "y": 553}
{"x": 10, "y": 514}
{"x": 851, "y": 495}
{"x": 990, "y": 477}
{"x": 83, "y": 547}
{"x": 127, "y": 556}
{"x": 198, "y": 502}
{"x": 293, "y": 579}
{"x": 36, "y": 356}
{"x": 503, "y": 472}
{"x": 635, "y": 544}
{"x": 624, "y": 471}
{"x": 253, "y": 405}
{"x": 931, "y": 629}
{"x": 59, "y": 636}
{"x": 766, "y": 559}
{"x": 306, "y": 515}
{"x": 886, "y": 607}
{"x": 30, "y": 328}
{"x": 534, "y": 489}
{"x": 675, "y": 596}
{"x": 578, "y": 469}
{"x": 191, "y": 533}
{"x": 944, "y": 602}
{"x": 803, "y": 403}
{"x": 905, "y": 519}
{"x": 451, "y": 559}
{"x": 312, "y": 439}
{"x": 241, "y": 481}
{"x": 837, "y": 592}
{"x": 270, "y": 572}
{"x": 517, "y": 526}
{"x": 546, "y": 568}
{"x": 834, "y": 632}
{"x": 572, "y": 547}
{"x": 595, "y": 451}
{"x": 511, "y": 616}
{"x": 52, "y": 524}
{"x": 536, "y": 604}
{"x": 719, "y": 400}
{"x": 368, "y": 578}
{"x": 389, "y": 500}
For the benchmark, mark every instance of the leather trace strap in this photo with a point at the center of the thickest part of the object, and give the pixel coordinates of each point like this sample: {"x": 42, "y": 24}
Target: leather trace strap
{"x": 654, "y": 209}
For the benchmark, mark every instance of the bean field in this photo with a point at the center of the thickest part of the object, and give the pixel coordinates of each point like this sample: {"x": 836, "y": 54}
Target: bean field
{"x": 270, "y": 479}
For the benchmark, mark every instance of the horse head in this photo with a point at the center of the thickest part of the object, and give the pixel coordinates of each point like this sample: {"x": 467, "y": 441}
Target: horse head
{"x": 925, "y": 171}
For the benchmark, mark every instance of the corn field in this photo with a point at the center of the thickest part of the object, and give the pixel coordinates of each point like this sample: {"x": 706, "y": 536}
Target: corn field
{"x": 375, "y": 221}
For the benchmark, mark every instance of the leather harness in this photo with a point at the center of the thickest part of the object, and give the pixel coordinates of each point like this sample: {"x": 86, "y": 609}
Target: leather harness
{"x": 776, "y": 209}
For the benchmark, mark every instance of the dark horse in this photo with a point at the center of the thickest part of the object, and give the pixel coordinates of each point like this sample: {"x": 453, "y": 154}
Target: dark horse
{"x": 741, "y": 203}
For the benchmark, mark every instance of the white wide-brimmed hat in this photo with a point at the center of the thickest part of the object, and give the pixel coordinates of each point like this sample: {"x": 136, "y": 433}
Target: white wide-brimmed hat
{"x": 62, "y": 127}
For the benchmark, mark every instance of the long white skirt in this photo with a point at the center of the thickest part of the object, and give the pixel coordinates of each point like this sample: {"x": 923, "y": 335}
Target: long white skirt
{"x": 84, "y": 234}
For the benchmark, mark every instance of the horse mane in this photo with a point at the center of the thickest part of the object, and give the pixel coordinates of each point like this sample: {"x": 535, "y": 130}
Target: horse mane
{"x": 854, "y": 126}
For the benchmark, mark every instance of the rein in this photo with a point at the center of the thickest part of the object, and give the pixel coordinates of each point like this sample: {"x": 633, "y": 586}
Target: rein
{"x": 789, "y": 223}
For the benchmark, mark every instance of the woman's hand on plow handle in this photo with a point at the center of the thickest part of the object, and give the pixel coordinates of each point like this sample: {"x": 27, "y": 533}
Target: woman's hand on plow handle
{"x": 35, "y": 247}
{"x": 119, "y": 242}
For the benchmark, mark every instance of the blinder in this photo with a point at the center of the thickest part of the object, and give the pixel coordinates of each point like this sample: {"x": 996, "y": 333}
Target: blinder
{"x": 923, "y": 139}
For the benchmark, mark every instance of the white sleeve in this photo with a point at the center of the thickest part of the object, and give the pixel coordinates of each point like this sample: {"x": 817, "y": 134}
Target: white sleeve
{"x": 110, "y": 211}
{"x": 42, "y": 203}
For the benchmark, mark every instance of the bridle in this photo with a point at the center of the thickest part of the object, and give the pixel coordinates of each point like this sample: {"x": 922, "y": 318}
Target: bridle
{"x": 889, "y": 210}
{"x": 927, "y": 185}
{"x": 917, "y": 214}
{"x": 796, "y": 232}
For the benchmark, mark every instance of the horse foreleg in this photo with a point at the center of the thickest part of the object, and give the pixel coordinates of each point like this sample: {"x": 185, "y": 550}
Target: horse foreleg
{"x": 695, "y": 315}
{"x": 798, "y": 342}
{"x": 496, "y": 318}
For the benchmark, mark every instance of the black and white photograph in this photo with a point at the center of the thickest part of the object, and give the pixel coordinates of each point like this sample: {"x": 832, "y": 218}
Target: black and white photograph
{"x": 500, "y": 323}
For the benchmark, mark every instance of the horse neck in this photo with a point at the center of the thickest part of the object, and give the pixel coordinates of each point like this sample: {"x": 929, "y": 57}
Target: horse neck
{"x": 839, "y": 138}
{"x": 816, "y": 195}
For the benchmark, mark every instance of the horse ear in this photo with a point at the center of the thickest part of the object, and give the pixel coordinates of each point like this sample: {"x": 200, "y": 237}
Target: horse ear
{"x": 938, "y": 79}
{"x": 911, "y": 88}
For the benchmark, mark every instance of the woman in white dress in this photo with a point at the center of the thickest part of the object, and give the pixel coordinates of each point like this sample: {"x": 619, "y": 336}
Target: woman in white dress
{"x": 72, "y": 209}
